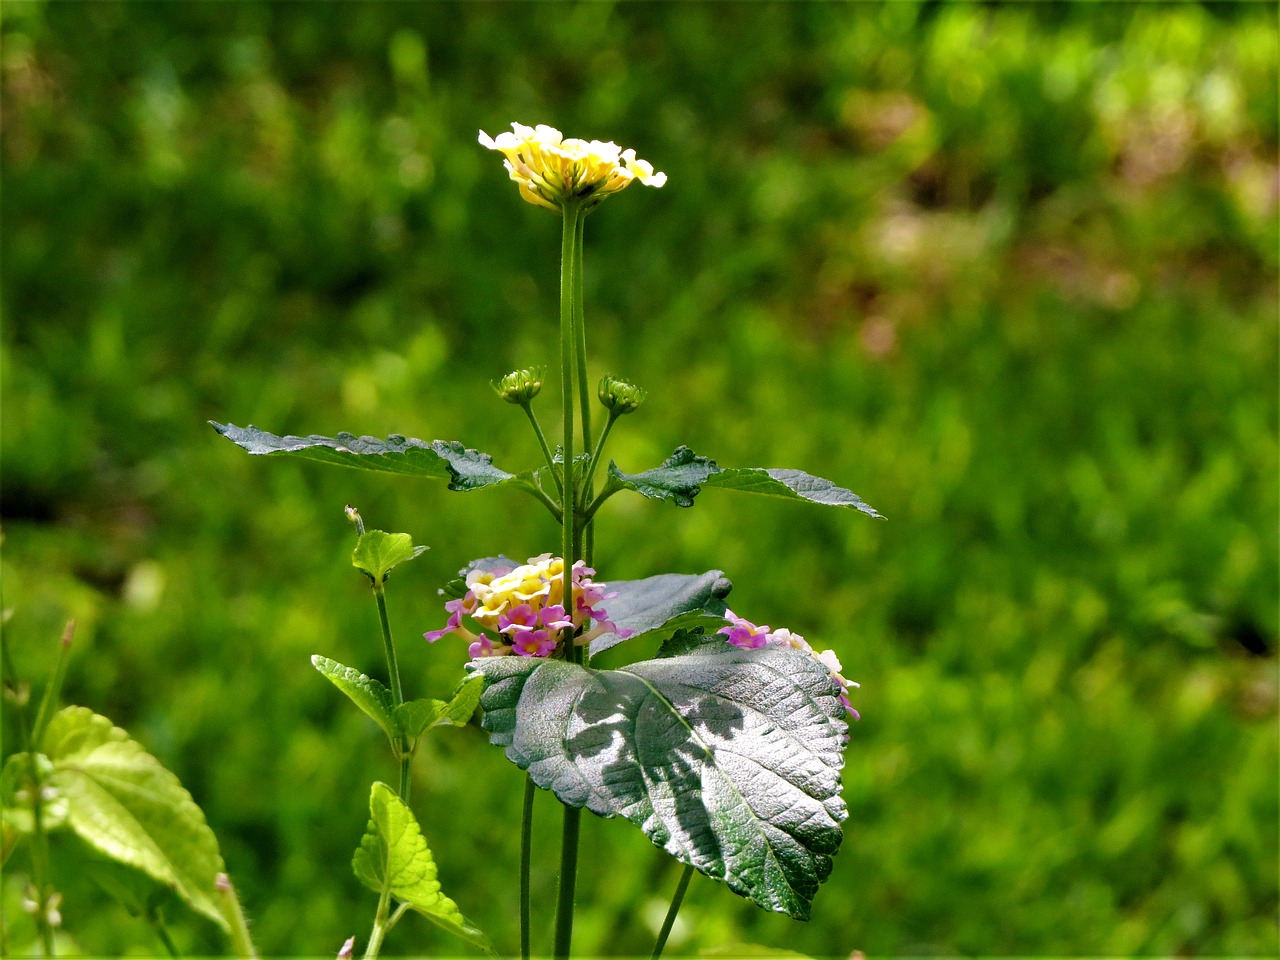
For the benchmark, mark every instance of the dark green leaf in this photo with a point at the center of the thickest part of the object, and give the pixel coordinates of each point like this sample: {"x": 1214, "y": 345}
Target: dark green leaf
{"x": 393, "y": 852}
{"x": 365, "y": 692}
{"x": 729, "y": 759}
{"x": 659, "y": 606}
{"x": 418, "y": 716}
{"x": 682, "y": 475}
{"x": 438, "y": 459}
{"x": 377, "y": 553}
{"x": 124, "y": 804}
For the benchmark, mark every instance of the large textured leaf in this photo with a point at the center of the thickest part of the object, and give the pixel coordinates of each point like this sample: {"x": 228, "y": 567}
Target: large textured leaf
{"x": 682, "y": 476}
{"x": 124, "y": 804}
{"x": 393, "y": 849}
{"x": 661, "y": 605}
{"x": 438, "y": 459}
{"x": 729, "y": 759}
{"x": 365, "y": 692}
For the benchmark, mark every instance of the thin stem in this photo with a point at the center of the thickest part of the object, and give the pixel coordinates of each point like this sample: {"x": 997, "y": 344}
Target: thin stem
{"x": 526, "y": 859}
{"x": 595, "y": 459}
{"x": 397, "y": 697}
{"x": 51, "y": 692}
{"x": 580, "y": 332}
{"x": 157, "y": 924}
{"x": 568, "y": 876}
{"x": 672, "y": 910}
{"x": 237, "y": 924}
{"x": 380, "y": 926}
{"x": 542, "y": 441}
{"x": 540, "y": 495}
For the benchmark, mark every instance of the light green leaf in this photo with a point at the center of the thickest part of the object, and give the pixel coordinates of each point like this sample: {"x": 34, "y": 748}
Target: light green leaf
{"x": 393, "y": 850}
{"x": 365, "y": 692}
{"x": 124, "y": 804}
{"x": 416, "y": 717}
{"x": 682, "y": 476}
{"x": 728, "y": 759}
{"x": 378, "y": 552}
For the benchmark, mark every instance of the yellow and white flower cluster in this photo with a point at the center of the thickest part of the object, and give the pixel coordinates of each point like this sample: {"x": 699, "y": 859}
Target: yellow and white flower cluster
{"x": 551, "y": 170}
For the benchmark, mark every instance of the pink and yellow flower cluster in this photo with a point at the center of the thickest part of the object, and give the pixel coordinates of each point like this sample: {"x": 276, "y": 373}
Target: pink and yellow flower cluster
{"x": 747, "y": 635}
{"x": 551, "y": 169}
{"x": 521, "y": 610}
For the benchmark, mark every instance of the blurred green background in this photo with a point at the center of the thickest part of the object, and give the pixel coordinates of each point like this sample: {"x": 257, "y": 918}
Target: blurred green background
{"x": 1008, "y": 272}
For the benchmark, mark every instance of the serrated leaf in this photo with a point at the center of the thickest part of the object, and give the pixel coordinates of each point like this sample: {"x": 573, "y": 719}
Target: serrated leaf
{"x": 729, "y": 759}
{"x": 365, "y": 692}
{"x": 126, "y": 805}
{"x": 416, "y": 717}
{"x": 656, "y": 607}
{"x": 682, "y": 476}
{"x": 377, "y": 552}
{"x": 393, "y": 850}
{"x": 448, "y": 460}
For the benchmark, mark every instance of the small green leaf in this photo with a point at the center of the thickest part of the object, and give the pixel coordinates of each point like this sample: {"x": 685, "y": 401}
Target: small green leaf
{"x": 449, "y": 460}
{"x": 365, "y": 692}
{"x": 728, "y": 759}
{"x": 417, "y": 716}
{"x": 378, "y": 552}
{"x": 682, "y": 476}
{"x": 394, "y": 851}
{"x": 124, "y": 804}
{"x": 656, "y": 607}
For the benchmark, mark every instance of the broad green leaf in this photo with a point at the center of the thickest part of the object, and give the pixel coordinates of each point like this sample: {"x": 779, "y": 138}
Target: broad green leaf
{"x": 378, "y": 552}
{"x": 365, "y": 692}
{"x": 682, "y": 476}
{"x": 393, "y": 850}
{"x": 659, "y": 606}
{"x": 728, "y": 759}
{"x": 437, "y": 459}
{"x": 124, "y": 804}
{"x": 416, "y": 717}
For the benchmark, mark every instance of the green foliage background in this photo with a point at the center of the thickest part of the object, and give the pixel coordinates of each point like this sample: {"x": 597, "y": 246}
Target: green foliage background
{"x": 1009, "y": 273}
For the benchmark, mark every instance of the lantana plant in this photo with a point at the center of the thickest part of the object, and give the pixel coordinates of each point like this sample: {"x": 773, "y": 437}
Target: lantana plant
{"x": 725, "y": 748}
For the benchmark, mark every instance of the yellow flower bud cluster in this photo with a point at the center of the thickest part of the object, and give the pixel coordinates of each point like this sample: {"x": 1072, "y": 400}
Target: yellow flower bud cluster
{"x": 551, "y": 170}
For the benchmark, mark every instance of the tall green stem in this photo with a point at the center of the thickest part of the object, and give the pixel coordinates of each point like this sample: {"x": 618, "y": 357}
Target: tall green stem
{"x": 526, "y": 859}
{"x": 580, "y": 333}
{"x": 397, "y": 696}
{"x": 672, "y": 910}
{"x": 568, "y": 500}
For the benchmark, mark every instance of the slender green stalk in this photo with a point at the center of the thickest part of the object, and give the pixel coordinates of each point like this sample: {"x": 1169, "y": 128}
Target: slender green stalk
{"x": 157, "y": 924}
{"x": 672, "y": 910}
{"x": 595, "y": 461}
{"x": 237, "y": 925}
{"x": 50, "y": 699}
{"x": 397, "y": 697}
{"x": 568, "y": 874}
{"x": 380, "y": 925}
{"x": 569, "y": 542}
{"x": 542, "y": 442}
{"x": 526, "y": 860}
{"x": 580, "y": 333}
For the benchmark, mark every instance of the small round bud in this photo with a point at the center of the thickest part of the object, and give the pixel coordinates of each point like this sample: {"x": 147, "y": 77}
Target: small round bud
{"x": 620, "y": 397}
{"x": 520, "y": 386}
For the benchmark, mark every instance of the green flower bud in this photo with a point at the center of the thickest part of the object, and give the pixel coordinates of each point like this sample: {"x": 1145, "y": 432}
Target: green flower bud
{"x": 620, "y": 397}
{"x": 520, "y": 386}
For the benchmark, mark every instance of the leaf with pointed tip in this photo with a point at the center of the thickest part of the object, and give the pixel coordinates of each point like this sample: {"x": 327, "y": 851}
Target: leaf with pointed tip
{"x": 377, "y": 553}
{"x": 729, "y": 759}
{"x": 365, "y": 692}
{"x": 683, "y": 475}
{"x": 416, "y": 717}
{"x": 449, "y": 460}
{"x": 126, "y": 805}
{"x": 657, "y": 607}
{"x": 394, "y": 853}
